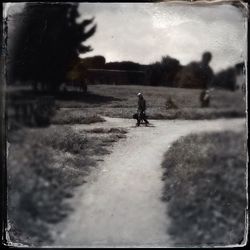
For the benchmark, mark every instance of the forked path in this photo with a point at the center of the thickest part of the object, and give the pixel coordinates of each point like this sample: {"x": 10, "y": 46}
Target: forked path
{"x": 121, "y": 204}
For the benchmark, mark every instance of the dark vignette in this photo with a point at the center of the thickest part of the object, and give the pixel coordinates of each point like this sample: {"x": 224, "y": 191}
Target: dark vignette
{"x": 3, "y": 29}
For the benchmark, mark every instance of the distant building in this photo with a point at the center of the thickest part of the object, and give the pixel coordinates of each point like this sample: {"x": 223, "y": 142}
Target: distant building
{"x": 116, "y": 77}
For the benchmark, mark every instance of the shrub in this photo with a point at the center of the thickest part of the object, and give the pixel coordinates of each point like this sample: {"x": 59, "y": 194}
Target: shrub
{"x": 75, "y": 117}
{"x": 170, "y": 104}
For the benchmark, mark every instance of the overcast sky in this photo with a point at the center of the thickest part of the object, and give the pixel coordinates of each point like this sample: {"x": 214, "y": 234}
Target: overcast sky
{"x": 144, "y": 32}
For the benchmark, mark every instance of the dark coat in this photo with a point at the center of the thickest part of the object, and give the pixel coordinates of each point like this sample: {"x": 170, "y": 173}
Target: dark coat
{"x": 141, "y": 105}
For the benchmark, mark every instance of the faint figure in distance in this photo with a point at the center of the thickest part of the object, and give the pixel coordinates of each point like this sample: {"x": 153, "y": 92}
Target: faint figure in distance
{"x": 205, "y": 98}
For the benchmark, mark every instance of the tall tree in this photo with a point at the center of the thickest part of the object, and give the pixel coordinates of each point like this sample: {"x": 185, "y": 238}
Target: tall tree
{"x": 170, "y": 67}
{"x": 225, "y": 79}
{"x": 48, "y": 43}
{"x": 196, "y": 74}
{"x": 163, "y": 72}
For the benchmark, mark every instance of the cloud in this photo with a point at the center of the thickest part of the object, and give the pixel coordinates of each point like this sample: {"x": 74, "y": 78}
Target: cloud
{"x": 145, "y": 32}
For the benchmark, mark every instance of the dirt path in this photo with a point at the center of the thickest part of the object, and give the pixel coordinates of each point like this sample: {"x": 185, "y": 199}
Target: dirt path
{"x": 121, "y": 204}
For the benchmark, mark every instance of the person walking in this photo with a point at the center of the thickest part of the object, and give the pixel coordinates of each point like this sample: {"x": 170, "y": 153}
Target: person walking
{"x": 141, "y": 111}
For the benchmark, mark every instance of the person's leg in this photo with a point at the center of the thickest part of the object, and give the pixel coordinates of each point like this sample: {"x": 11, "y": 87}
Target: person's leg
{"x": 138, "y": 119}
{"x": 145, "y": 119}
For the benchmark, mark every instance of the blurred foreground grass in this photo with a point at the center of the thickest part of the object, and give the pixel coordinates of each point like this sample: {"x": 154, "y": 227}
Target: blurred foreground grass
{"x": 205, "y": 189}
{"x": 44, "y": 165}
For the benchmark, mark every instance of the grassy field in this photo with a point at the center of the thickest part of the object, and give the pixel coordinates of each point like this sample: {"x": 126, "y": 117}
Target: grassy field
{"x": 205, "y": 189}
{"x": 121, "y": 101}
{"x": 44, "y": 167}
{"x": 47, "y": 163}
{"x": 75, "y": 116}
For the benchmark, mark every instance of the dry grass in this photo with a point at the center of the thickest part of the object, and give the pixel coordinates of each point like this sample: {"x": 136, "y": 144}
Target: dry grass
{"x": 121, "y": 101}
{"x": 205, "y": 186}
{"x": 107, "y": 130}
{"x": 70, "y": 116}
{"x": 44, "y": 166}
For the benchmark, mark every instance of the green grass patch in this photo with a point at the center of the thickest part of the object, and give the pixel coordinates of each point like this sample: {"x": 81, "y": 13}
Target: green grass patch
{"x": 205, "y": 187}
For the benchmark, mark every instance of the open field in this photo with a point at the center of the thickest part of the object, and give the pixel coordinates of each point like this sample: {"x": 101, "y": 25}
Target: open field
{"x": 205, "y": 189}
{"x": 45, "y": 166}
{"x": 121, "y": 101}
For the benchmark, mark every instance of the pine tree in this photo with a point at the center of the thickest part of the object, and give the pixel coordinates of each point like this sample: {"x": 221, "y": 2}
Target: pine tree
{"x": 48, "y": 43}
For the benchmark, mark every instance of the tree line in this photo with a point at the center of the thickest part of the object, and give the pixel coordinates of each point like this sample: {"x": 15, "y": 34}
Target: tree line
{"x": 47, "y": 43}
{"x": 45, "y": 50}
{"x": 170, "y": 73}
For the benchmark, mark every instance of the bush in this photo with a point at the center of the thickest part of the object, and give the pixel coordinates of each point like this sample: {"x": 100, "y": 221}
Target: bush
{"x": 64, "y": 139}
{"x": 170, "y": 104}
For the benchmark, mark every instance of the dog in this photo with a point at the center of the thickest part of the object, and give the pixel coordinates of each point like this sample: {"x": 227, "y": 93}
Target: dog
{"x": 136, "y": 116}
